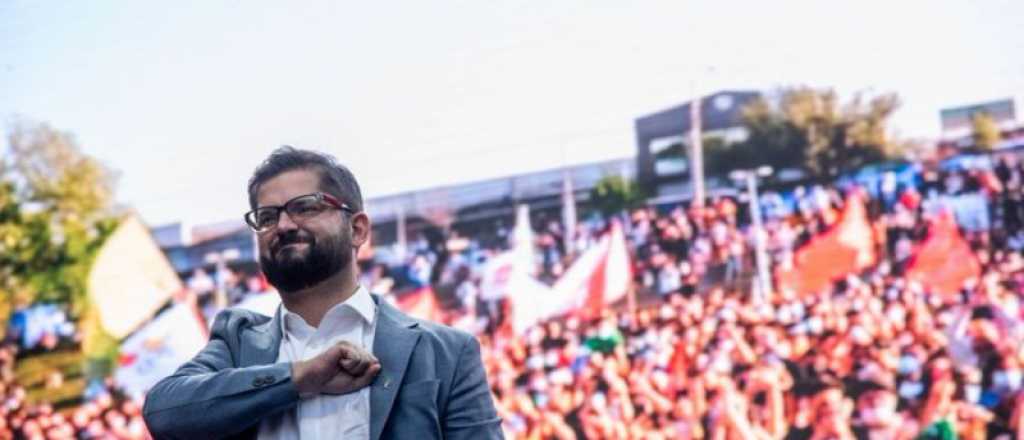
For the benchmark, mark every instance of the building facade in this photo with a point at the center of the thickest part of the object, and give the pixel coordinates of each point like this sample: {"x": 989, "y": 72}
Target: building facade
{"x": 663, "y": 141}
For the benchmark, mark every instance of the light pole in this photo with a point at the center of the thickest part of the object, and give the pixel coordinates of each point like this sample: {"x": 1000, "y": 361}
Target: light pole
{"x": 764, "y": 279}
{"x": 696, "y": 135}
{"x": 696, "y": 152}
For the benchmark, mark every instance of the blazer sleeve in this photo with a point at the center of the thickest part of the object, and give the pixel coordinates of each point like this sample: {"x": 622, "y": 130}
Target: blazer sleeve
{"x": 470, "y": 413}
{"x": 208, "y": 397}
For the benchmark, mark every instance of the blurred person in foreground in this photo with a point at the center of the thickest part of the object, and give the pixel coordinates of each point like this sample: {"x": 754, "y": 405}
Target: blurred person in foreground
{"x": 307, "y": 371}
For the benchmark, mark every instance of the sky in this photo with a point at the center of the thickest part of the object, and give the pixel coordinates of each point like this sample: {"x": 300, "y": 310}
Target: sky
{"x": 184, "y": 99}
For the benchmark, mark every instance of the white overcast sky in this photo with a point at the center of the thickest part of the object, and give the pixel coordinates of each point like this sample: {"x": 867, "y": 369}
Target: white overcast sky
{"x": 185, "y": 98}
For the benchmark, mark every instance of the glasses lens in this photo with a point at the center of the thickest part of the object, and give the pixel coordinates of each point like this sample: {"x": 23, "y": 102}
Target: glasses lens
{"x": 264, "y": 218}
{"x": 305, "y": 206}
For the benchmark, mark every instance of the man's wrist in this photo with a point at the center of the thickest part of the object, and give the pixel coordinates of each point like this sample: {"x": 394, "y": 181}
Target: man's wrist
{"x": 300, "y": 377}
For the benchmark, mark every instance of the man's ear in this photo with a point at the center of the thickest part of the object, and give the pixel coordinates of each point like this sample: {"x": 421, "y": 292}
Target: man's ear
{"x": 360, "y": 229}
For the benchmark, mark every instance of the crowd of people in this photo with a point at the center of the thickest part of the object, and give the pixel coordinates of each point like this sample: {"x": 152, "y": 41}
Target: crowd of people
{"x": 879, "y": 355}
{"x": 876, "y": 356}
{"x": 106, "y": 416}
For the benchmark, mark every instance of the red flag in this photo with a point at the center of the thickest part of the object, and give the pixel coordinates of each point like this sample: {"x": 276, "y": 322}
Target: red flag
{"x": 600, "y": 276}
{"x": 421, "y": 304}
{"x": 845, "y": 248}
{"x": 944, "y": 262}
{"x": 678, "y": 365}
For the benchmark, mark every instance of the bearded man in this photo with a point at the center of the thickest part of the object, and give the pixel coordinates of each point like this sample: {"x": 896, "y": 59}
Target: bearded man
{"x": 334, "y": 361}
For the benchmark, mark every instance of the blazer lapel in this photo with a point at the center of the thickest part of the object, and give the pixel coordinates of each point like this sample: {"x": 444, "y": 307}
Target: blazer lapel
{"x": 260, "y": 344}
{"x": 395, "y": 338}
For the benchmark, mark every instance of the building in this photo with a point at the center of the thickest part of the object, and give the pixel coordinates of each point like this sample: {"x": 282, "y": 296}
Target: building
{"x": 205, "y": 246}
{"x": 481, "y": 209}
{"x": 958, "y": 128}
{"x": 484, "y": 209}
{"x": 663, "y": 141}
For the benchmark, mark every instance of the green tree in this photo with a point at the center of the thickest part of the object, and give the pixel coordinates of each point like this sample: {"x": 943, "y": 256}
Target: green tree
{"x": 985, "y": 131}
{"x": 56, "y": 209}
{"x": 613, "y": 194}
{"x": 811, "y": 129}
{"x": 26, "y": 252}
{"x": 61, "y": 210}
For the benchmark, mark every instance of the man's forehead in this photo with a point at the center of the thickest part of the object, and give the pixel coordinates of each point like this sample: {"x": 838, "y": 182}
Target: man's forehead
{"x": 287, "y": 185}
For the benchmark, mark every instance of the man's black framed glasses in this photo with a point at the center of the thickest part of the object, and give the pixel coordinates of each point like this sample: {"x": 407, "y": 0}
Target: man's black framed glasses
{"x": 300, "y": 208}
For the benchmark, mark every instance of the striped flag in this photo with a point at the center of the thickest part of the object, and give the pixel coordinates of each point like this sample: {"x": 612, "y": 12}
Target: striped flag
{"x": 601, "y": 276}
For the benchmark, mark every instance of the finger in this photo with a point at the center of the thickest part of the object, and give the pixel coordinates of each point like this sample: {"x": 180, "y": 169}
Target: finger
{"x": 348, "y": 365}
{"x": 347, "y": 350}
{"x": 365, "y": 379}
{"x": 355, "y": 367}
{"x": 360, "y": 353}
{"x": 370, "y": 360}
{"x": 373, "y": 370}
{"x": 363, "y": 356}
{"x": 333, "y": 354}
{"x": 367, "y": 355}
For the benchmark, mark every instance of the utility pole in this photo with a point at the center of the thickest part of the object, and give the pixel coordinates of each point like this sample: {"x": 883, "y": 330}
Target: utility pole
{"x": 403, "y": 244}
{"x": 764, "y": 280}
{"x": 696, "y": 152}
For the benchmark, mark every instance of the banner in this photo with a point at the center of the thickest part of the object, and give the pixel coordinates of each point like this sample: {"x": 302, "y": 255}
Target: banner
{"x": 130, "y": 278}
{"x": 971, "y": 210}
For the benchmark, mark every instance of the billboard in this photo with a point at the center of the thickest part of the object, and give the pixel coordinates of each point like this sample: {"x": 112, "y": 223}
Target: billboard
{"x": 959, "y": 118}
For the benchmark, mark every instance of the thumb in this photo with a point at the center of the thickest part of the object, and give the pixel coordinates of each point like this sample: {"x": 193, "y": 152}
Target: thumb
{"x": 368, "y": 376}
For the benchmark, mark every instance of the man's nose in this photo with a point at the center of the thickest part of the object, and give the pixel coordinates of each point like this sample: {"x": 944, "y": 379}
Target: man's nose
{"x": 285, "y": 222}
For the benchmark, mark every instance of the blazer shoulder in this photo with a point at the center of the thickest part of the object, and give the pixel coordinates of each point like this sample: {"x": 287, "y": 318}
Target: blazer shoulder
{"x": 452, "y": 339}
{"x": 436, "y": 332}
{"x": 233, "y": 321}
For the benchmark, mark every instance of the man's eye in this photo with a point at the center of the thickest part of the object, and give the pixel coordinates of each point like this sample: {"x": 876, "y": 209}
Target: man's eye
{"x": 306, "y": 208}
{"x": 266, "y": 218}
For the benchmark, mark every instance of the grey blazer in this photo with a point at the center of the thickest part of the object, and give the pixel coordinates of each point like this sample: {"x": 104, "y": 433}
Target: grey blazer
{"x": 432, "y": 383}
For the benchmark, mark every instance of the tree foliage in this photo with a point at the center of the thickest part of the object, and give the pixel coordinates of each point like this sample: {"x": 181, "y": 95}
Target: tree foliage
{"x": 811, "y": 129}
{"x": 614, "y": 193}
{"x": 985, "y": 131}
{"x": 56, "y": 209}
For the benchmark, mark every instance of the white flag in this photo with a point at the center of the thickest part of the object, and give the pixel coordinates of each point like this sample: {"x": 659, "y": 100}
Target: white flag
{"x": 158, "y": 348}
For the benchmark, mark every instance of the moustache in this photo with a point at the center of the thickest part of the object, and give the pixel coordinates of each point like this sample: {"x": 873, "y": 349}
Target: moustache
{"x": 290, "y": 237}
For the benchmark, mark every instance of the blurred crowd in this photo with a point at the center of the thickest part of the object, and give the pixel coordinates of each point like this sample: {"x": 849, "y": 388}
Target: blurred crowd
{"x": 876, "y": 360}
{"x": 106, "y": 416}
{"x": 877, "y": 356}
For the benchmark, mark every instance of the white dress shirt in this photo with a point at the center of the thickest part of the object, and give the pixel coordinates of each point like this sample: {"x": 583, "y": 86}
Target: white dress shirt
{"x": 326, "y": 416}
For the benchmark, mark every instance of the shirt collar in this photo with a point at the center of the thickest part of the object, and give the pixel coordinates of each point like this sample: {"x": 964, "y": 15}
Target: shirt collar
{"x": 360, "y": 301}
{"x": 363, "y": 304}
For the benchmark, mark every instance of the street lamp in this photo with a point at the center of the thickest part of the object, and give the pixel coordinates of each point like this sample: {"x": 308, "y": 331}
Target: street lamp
{"x": 760, "y": 241}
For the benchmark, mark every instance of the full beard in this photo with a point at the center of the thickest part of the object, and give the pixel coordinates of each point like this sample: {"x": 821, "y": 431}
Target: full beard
{"x": 289, "y": 272}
